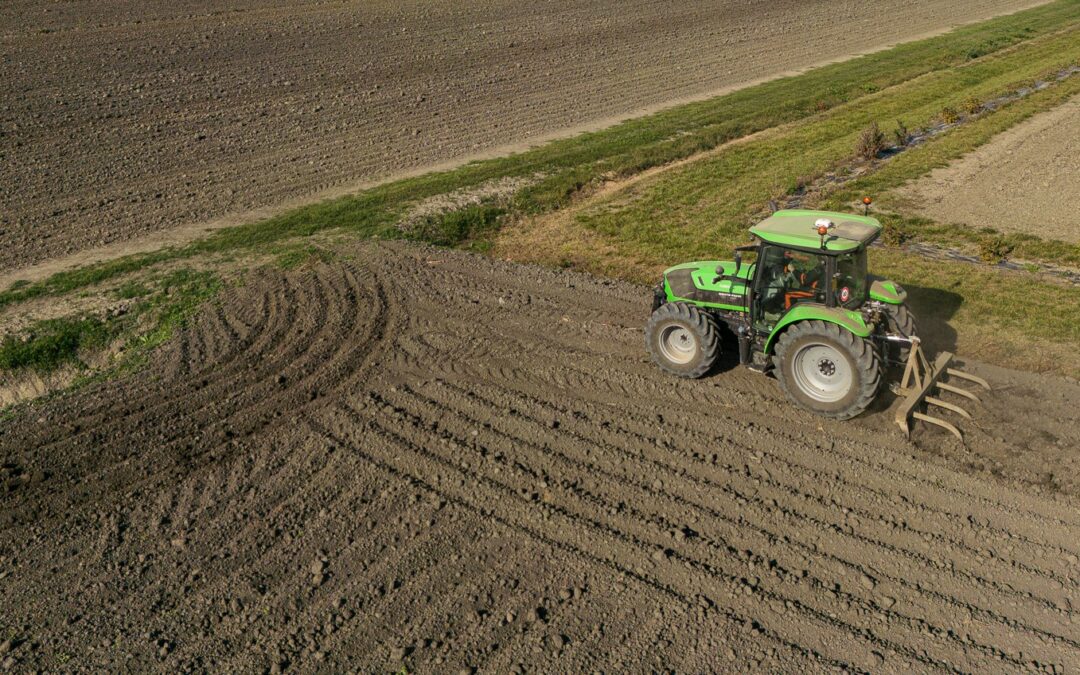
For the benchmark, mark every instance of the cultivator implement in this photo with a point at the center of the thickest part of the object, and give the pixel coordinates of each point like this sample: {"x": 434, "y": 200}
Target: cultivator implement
{"x": 920, "y": 380}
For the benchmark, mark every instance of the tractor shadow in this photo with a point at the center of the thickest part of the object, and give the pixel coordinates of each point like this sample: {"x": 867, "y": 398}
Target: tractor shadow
{"x": 933, "y": 309}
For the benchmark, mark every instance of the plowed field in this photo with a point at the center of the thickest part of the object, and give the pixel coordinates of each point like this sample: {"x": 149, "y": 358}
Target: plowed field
{"x": 123, "y": 118}
{"x": 424, "y": 457}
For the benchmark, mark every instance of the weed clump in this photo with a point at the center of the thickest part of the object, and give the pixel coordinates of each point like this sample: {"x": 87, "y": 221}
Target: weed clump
{"x": 901, "y": 134}
{"x": 949, "y": 115}
{"x": 870, "y": 142}
{"x": 457, "y": 227}
{"x": 971, "y": 105}
{"x": 896, "y": 234}
{"x": 995, "y": 249}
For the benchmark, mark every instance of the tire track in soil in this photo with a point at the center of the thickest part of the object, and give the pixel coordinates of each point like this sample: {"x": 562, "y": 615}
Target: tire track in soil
{"x": 796, "y": 471}
{"x": 774, "y": 539}
{"x": 494, "y": 476}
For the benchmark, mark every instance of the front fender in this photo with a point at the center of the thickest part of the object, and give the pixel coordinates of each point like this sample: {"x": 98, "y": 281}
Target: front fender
{"x": 852, "y": 321}
{"x": 887, "y": 291}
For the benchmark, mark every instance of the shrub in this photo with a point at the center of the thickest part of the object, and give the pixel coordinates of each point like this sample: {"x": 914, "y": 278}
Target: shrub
{"x": 871, "y": 142}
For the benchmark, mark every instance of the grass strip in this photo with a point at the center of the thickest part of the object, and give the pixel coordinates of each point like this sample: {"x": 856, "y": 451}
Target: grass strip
{"x": 565, "y": 166}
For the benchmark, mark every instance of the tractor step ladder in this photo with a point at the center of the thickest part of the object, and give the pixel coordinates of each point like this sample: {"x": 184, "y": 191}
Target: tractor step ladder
{"x": 920, "y": 379}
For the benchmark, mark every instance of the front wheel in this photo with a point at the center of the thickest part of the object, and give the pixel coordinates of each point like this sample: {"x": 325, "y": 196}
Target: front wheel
{"x": 826, "y": 369}
{"x": 682, "y": 339}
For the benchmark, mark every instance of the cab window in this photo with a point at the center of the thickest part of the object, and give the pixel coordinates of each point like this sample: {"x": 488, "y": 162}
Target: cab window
{"x": 787, "y": 278}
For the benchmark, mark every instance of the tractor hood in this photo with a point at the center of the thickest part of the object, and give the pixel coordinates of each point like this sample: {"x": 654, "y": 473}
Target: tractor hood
{"x": 889, "y": 292}
{"x": 712, "y": 283}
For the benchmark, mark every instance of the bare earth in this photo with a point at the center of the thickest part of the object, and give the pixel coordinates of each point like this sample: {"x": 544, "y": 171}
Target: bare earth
{"x": 428, "y": 458}
{"x": 128, "y": 117}
{"x": 1026, "y": 180}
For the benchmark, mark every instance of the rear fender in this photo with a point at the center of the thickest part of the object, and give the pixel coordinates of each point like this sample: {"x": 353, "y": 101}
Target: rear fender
{"x": 852, "y": 321}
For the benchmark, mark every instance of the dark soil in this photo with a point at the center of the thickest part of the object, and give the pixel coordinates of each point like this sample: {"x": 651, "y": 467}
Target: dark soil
{"x": 430, "y": 459}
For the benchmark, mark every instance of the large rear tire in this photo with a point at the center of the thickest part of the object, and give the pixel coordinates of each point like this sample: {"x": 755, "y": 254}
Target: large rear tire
{"x": 682, "y": 339}
{"x": 826, "y": 369}
{"x": 902, "y": 322}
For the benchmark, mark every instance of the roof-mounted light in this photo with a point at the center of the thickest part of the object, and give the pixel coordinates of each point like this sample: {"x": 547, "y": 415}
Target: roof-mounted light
{"x": 823, "y": 225}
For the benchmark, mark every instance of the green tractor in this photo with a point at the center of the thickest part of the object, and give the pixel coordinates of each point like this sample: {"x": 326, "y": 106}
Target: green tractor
{"x": 804, "y": 309}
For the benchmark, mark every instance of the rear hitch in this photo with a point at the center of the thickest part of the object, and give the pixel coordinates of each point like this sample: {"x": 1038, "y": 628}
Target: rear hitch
{"x": 920, "y": 379}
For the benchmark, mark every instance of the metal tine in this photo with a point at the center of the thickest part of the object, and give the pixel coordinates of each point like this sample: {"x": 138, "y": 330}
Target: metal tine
{"x": 957, "y": 390}
{"x": 948, "y": 406}
{"x": 968, "y": 376}
{"x": 941, "y": 423}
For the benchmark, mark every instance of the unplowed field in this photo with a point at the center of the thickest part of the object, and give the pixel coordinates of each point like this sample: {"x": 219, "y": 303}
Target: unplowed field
{"x": 422, "y": 456}
{"x": 1025, "y": 180}
{"x": 122, "y": 118}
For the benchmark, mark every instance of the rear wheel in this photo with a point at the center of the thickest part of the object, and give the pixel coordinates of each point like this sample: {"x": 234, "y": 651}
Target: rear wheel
{"x": 682, "y": 339}
{"x": 901, "y": 322}
{"x": 826, "y": 369}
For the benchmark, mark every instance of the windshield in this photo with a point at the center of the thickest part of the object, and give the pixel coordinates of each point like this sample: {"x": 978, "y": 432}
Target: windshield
{"x": 849, "y": 286}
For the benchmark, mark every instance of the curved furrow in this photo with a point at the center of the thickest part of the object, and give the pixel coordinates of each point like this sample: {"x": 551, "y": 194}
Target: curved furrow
{"x": 133, "y": 406}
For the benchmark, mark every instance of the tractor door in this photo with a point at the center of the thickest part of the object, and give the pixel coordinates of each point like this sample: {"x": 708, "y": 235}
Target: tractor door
{"x": 783, "y": 279}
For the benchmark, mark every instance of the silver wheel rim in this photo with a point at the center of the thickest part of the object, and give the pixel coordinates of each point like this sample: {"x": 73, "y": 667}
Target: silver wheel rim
{"x": 822, "y": 372}
{"x": 678, "y": 344}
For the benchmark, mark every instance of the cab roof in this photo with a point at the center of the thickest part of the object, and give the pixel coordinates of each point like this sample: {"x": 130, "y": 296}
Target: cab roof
{"x": 795, "y": 227}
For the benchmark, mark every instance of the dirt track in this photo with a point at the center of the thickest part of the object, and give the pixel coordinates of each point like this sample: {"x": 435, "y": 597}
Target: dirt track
{"x": 124, "y": 118}
{"x": 1025, "y": 180}
{"x": 424, "y": 456}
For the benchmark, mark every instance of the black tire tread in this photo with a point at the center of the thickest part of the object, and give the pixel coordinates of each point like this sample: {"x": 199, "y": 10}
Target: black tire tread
{"x": 701, "y": 323}
{"x": 866, "y": 358}
{"x": 901, "y": 321}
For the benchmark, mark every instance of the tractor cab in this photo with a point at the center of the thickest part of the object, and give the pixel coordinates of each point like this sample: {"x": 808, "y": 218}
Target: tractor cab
{"x": 809, "y": 258}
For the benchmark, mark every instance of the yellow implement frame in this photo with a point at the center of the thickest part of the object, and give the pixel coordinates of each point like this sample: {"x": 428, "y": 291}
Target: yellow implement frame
{"x": 920, "y": 379}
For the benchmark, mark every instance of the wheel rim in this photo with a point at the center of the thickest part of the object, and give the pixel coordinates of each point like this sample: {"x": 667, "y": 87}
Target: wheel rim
{"x": 678, "y": 344}
{"x": 822, "y": 372}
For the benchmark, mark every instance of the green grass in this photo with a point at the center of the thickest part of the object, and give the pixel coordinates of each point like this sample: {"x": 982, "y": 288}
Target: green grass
{"x": 164, "y": 304}
{"x": 921, "y": 160}
{"x": 471, "y": 226}
{"x": 52, "y": 343}
{"x": 180, "y": 293}
{"x": 567, "y": 165}
{"x": 131, "y": 290}
{"x": 710, "y": 202}
{"x": 701, "y": 209}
